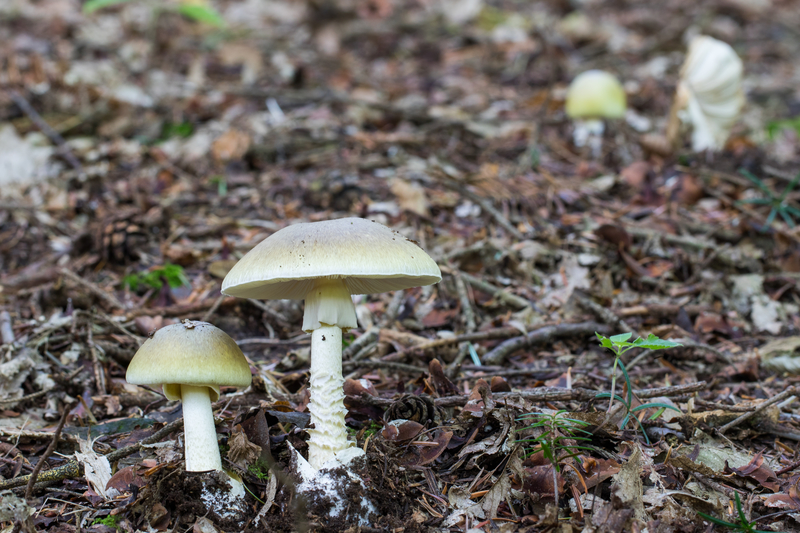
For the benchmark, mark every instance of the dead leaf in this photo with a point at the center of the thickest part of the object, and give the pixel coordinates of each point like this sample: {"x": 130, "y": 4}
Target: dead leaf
{"x": 124, "y": 479}
{"x": 628, "y": 485}
{"x": 428, "y": 454}
{"x": 97, "y": 470}
{"x": 441, "y": 383}
{"x": 401, "y": 430}
{"x": 231, "y": 145}
{"x": 411, "y": 196}
{"x": 757, "y": 470}
{"x": 242, "y": 452}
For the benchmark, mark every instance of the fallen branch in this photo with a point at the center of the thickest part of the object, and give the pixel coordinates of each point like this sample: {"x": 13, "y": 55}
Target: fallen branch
{"x": 47, "y": 453}
{"x": 763, "y": 405}
{"x": 550, "y": 394}
{"x": 94, "y": 289}
{"x": 542, "y": 335}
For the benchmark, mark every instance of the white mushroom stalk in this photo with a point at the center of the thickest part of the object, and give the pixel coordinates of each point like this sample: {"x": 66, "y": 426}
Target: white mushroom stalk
{"x": 329, "y": 308}
{"x": 202, "y": 450}
{"x": 326, "y": 405}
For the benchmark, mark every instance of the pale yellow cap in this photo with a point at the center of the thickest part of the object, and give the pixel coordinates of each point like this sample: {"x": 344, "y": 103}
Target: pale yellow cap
{"x": 595, "y": 94}
{"x": 190, "y": 353}
{"x": 368, "y": 256}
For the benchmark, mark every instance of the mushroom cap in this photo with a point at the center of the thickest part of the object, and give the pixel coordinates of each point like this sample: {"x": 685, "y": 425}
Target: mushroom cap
{"x": 368, "y": 256}
{"x": 190, "y": 353}
{"x": 595, "y": 94}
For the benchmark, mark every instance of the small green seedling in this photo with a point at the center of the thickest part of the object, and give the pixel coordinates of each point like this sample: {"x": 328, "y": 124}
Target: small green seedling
{"x": 778, "y": 204}
{"x": 198, "y": 13}
{"x": 260, "y": 469}
{"x": 741, "y": 526}
{"x": 775, "y": 127}
{"x": 559, "y": 440}
{"x": 111, "y": 520}
{"x": 155, "y": 277}
{"x": 619, "y": 344}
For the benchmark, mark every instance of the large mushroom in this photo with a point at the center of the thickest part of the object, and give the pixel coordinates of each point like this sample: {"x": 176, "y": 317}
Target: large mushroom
{"x": 190, "y": 361}
{"x": 324, "y": 263}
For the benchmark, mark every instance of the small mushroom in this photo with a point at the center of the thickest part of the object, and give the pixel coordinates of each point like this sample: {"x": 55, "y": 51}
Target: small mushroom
{"x": 190, "y": 361}
{"x": 593, "y": 96}
{"x": 324, "y": 263}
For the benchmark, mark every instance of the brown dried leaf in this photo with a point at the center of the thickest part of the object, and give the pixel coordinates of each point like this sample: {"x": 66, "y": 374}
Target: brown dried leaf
{"x": 401, "y": 430}
{"x": 757, "y": 470}
{"x": 615, "y": 235}
{"x": 440, "y": 382}
{"x": 124, "y": 478}
{"x": 539, "y": 480}
{"x": 428, "y": 454}
{"x": 242, "y": 452}
{"x": 231, "y": 145}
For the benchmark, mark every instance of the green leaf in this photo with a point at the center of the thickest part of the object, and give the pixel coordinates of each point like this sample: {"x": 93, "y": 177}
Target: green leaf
{"x": 204, "y": 14}
{"x": 662, "y": 406}
{"x": 93, "y": 5}
{"x": 654, "y": 343}
{"x": 621, "y": 338}
{"x": 605, "y": 342}
{"x": 716, "y": 521}
{"x": 602, "y": 395}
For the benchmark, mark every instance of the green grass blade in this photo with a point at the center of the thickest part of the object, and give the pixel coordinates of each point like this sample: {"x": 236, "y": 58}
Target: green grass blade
{"x": 93, "y": 5}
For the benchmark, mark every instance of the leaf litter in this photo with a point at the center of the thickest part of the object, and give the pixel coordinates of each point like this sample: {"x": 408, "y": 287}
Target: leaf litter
{"x": 144, "y": 150}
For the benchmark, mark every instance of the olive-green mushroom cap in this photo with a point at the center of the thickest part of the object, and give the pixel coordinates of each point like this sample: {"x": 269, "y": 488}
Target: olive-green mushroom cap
{"x": 368, "y": 256}
{"x": 595, "y": 94}
{"x": 190, "y": 353}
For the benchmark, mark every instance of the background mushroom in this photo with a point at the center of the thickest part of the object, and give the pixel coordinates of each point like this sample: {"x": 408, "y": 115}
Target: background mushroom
{"x": 709, "y": 95}
{"x": 190, "y": 361}
{"x": 324, "y": 263}
{"x": 593, "y": 96}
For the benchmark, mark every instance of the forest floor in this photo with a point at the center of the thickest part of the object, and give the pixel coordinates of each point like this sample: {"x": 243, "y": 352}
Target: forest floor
{"x": 146, "y": 146}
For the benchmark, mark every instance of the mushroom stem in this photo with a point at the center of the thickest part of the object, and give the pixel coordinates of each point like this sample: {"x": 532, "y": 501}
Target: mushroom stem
{"x": 202, "y": 451}
{"x": 329, "y": 302}
{"x": 329, "y": 435}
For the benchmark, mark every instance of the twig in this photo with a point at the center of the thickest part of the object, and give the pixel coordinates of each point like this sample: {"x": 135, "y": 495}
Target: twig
{"x": 213, "y": 308}
{"x": 32, "y": 396}
{"x": 50, "y": 449}
{"x": 469, "y": 323}
{"x": 299, "y": 339}
{"x": 485, "y": 204}
{"x": 393, "y": 308}
{"x": 385, "y": 364}
{"x": 97, "y": 365}
{"x": 48, "y": 131}
{"x": 277, "y": 317}
{"x": 466, "y": 304}
{"x": 661, "y": 310}
{"x": 542, "y": 335}
{"x": 777, "y": 398}
{"x": 499, "y": 294}
{"x": 550, "y": 394}
{"x": 606, "y": 315}
{"x": 94, "y": 289}
{"x": 368, "y": 337}
{"x": 499, "y": 333}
